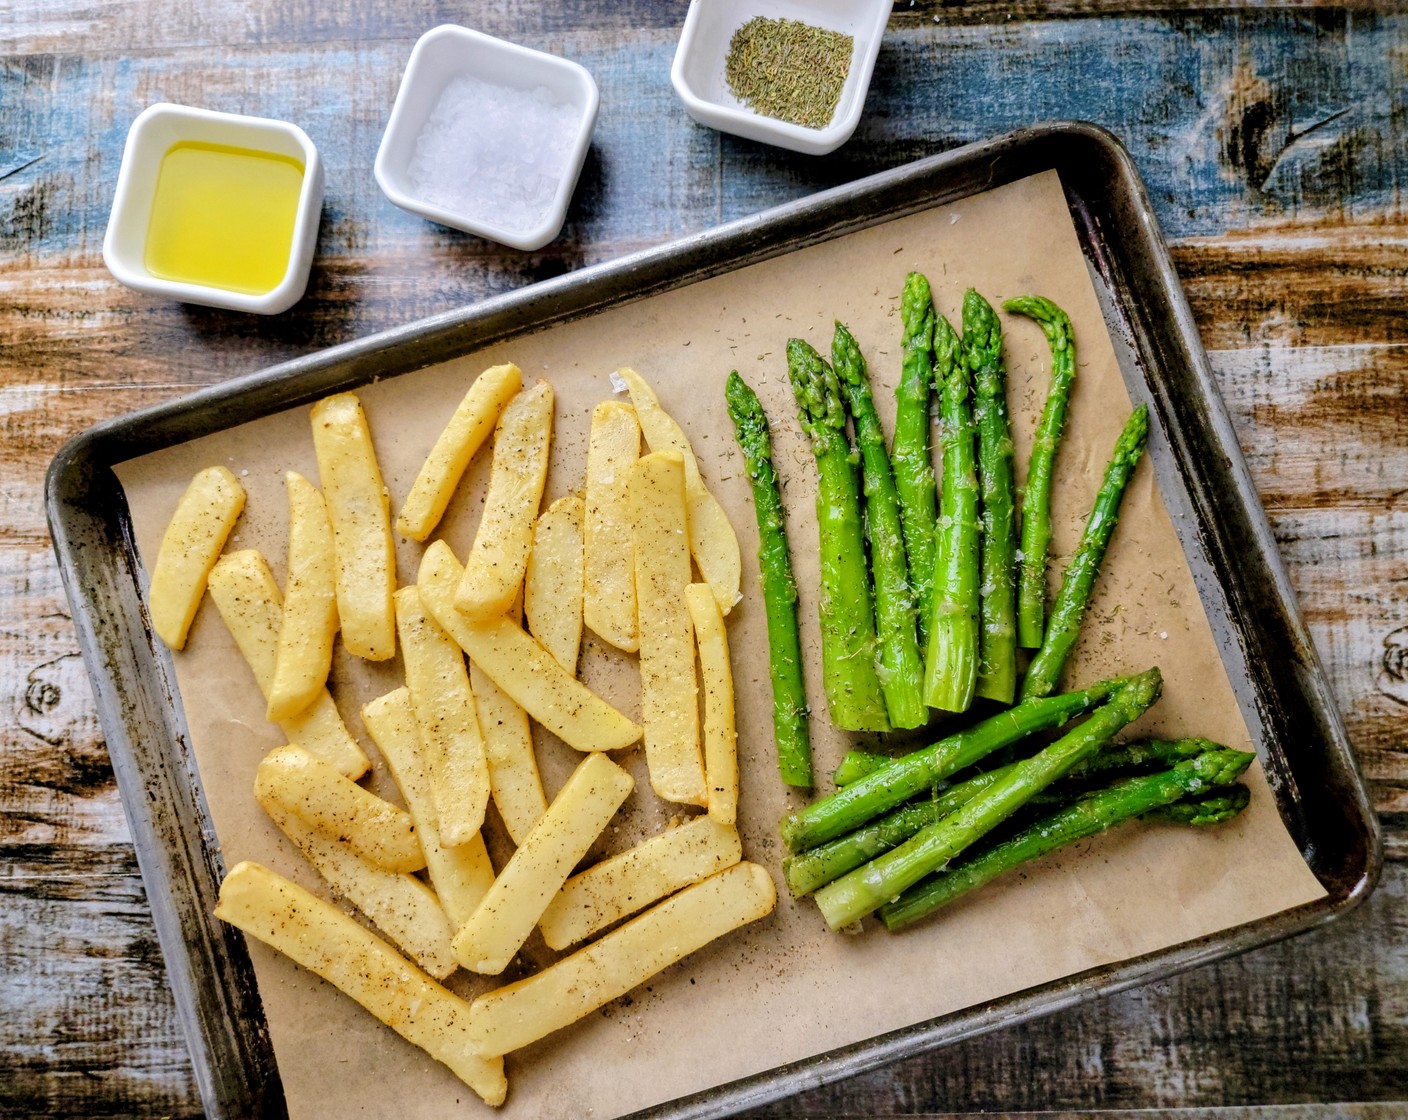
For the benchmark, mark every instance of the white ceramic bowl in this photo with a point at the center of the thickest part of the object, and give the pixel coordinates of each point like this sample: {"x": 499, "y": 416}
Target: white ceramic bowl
{"x": 698, "y": 70}
{"x": 447, "y": 52}
{"x": 151, "y": 136}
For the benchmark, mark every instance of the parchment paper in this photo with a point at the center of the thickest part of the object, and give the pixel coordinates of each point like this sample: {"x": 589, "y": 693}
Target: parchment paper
{"x": 783, "y": 989}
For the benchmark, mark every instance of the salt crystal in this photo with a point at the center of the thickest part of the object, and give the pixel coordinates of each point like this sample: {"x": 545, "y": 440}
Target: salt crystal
{"x": 618, "y": 383}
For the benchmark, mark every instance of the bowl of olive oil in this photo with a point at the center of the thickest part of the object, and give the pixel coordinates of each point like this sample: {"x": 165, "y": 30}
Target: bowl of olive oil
{"x": 215, "y": 209}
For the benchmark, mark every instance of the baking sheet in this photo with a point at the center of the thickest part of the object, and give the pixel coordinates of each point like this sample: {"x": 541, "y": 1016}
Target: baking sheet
{"x": 785, "y": 989}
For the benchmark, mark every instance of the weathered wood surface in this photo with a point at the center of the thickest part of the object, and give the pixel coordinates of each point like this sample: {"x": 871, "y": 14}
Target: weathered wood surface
{"x": 1275, "y": 146}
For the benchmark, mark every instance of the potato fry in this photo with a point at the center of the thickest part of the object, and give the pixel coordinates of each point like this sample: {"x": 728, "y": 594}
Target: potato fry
{"x": 499, "y": 556}
{"x": 204, "y": 517}
{"x": 609, "y": 584}
{"x": 361, "y": 520}
{"x": 720, "y": 734}
{"x": 557, "y": 843}
{"x": 460, "y": 875}
{"x": 517, "y": 1014}
{"x": 401, "y": 906}
{"x": 309, "y": 624}
{"x": 521, "y": 667}
{"x": 338, "y": 808}
{"x": 552, "y": 584}
{"x": 669, "y": 701}
{"x": 248, "y": 599}
{"x": 322, "y": 938}
{"x": 631, "y": 880}
{"x": 513, "y": 766}
{"x": 712, "y": 540}
{"x": 448, "y": 719}
{"x": 456, "y": 446}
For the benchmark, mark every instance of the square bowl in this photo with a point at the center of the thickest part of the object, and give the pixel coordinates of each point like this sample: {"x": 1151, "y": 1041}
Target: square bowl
{"x": 157, "y": 131}
{"x": 698, "y": 69}
{"x": 502, "y": 72}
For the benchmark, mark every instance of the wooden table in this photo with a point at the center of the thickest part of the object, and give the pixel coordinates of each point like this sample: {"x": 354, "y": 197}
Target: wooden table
{"x": 1275, "y": 146}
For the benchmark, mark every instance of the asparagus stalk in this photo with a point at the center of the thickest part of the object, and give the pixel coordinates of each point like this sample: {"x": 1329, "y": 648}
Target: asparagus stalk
{"x": 849, "y": 675}
{"x": 997, "y": 641}
{"x": 1087, "y": 817}
{"x": 1213, "y": 807}
{"x": 1036, "y": 500}
{"x": 847, "y": 809}
{"x": 789, "y": 690}
{"x": 864, "y": 890}
{"x": 1076, "y": 584}
{"x": 910, "y": 452}
{"x": 901, "y": 672}
{"x": 951, "y": 656}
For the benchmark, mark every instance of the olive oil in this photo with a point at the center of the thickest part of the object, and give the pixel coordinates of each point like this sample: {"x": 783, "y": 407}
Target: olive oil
{"x": 223, "y": 217}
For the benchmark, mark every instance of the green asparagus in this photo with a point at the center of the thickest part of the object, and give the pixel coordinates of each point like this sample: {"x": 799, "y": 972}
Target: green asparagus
{"x": 901, "y": 672}
{"x": 910, "y": 453}
{"x": 1079, "y": 580}
{"x": 849, "y": 675}
{"x": 1036, "y": 499}
{"x": 1213, "y": 807}
{"x": 789, "y": 691}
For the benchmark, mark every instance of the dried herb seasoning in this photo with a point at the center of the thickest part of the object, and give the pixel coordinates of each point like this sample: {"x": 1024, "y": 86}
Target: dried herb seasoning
{"x": 788, "y": 69}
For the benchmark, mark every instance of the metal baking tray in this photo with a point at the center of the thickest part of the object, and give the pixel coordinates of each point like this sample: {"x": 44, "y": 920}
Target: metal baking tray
{"x": 1282, "y": 688}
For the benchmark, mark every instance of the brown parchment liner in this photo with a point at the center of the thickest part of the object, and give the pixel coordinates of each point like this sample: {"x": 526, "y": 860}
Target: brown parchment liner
{"x": 785, "y": 988}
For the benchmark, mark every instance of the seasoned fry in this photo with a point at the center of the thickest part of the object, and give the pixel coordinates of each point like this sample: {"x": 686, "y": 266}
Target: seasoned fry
{"x": 631, "y": 880}
{"x": 248, "y": 599}
{"x": 711, "y": 537}
{"x": 358, "y": 963}
{"x": 720, "y": 735}
{"x": 557, "y": 843}
{"x": 361, "y": 523}
{"x": 497, "y": 560}
{"x": 609, "y": 592}
{"x": 513, "y": 767}
{"x": 466, "y": 432}
{"x": 309, "y": 624}
{"x": 552, "y": 585}
{"x": 523, "y": 1012}
{"x": 668, "y": 693}
{"x": 190, "y": 546}
{"x": 521, "y": 667}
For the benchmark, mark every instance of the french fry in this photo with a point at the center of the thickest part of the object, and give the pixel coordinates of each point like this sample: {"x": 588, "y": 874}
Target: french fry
{"x": 244, "y": 591}
{"x": 609, "y": 584}
{"x": 494, "y": 571}
{"x": 304, "y": 656}
{"x": 552, "y": 584}
{"x": 720, "y": 734}
{"x": 460, "y": 875}
{"x": 448, "y": 719}
{"x": 522, "y": 667}
{"x": 361, "y": 520}
{"x": 204, "y": 517}
{"x": 528, "y": 882}
{"x": 669, "y": 701}
{"x": 712, "y": 540}
{"x": 517, "y": 1014}
{"x": 466, "y": 432}
{"x": 322, "y": 938}
{"x": 513, "y": 766}
{"x": 617, "y": 887}
{"x": 338, "y": 808}
{"x": 401, "y": 906}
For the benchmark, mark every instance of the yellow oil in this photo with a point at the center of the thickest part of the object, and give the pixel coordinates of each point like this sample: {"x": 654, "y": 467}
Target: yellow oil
{"x": 223, "y": 217}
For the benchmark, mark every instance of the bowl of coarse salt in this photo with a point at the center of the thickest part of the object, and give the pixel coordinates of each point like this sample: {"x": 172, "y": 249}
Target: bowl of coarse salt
{"x": 487, "y": 136}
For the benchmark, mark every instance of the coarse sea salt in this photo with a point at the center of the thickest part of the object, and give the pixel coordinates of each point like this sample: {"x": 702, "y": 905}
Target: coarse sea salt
{"x": 492, "y": 154}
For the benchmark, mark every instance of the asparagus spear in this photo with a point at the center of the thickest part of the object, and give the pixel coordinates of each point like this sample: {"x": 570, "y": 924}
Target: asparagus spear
{"x": 910, "y": 452}
{"x": 1076, "y": 584}
{"x": 1036, "y": 500}
{"x": 789, "y": 690}
{"x": 997, "y": 642}
{"x": 864, "y": 890}
{"x": 951, "y": 657}
{"x": 1213, "y": 807}
{"x": 895, "y": 783}
{"x": 901, "y": 673}
{"x": 1087, "y": 817}
{"x": 849, "y": 675}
